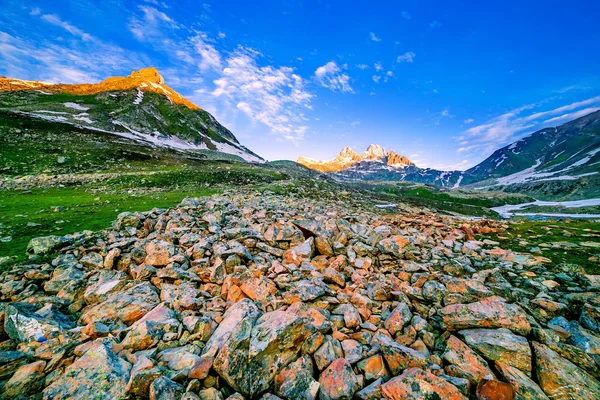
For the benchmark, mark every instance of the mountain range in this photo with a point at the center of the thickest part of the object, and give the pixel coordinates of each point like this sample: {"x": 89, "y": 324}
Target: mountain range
{"x": 562, "y": 160}
{"x": 138, "y": 107}
{"x": 556, "y": 162}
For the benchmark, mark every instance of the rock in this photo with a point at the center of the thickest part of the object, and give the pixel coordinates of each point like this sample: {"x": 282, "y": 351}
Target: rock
{"x": 561, "y": 379}
{"x": 127, "y": 306}
{"x": 416, "y": 384}
{"x": 46, "y": 244}
{"x": 242, "y": 313}
{"x": 465, "y": 363}
{"x": 494, "y": 390}
{"x": 24, "y": 323}
{"x": 338, "y": 381}
{"x": 157, "y": 324}
{"x": 399, "y": 357}
{"x": 158, "y": 253}
{"x": 304, "y": 291}
{"x": 92, "y": 260}
{"x": 125, "y": 220}
{"x": 393, "y": 245}
{"x": 300, "y": 253}
{"x": 373, "y": 368}
{"x": 488, "y": 313}
{"x": 165, "y": 389}
{"x": 296, "y": 380}
{"x": 500, "y": 345}
{"x": 523, "y": 386}
{"x": 371, "y": 392}
{"x": 398, "y": 319}
{"x": 99, "y": 374}
{"x": 28, "y": 379}
{"x": 253, "y": 355}
{"x": 590, "y": 317}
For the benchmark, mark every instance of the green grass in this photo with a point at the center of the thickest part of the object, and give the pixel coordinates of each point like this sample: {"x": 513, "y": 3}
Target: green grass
{"x": 83, "y": 210}
{"x": 525, "y": 235}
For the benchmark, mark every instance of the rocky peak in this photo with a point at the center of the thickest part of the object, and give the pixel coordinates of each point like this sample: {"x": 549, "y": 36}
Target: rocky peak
{"x": 397, "y": 160}
{"x": 374, "y": 152}
{"x": 145, "y": 79}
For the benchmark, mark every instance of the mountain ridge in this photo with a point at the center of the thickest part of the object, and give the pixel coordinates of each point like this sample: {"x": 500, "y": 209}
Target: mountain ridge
{"x": 145, "y": 79}
{"x": 138, "y": 107}
{"x": 347, "y": 158}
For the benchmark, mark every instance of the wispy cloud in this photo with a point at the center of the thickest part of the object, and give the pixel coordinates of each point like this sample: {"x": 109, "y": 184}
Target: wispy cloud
{"x": 150, "y": 25}
{"x": 405, "y": 15}
{"x": 273, "y": 96}
{"x": 362, "y": 66}
{"x": 434, "y": 25}
{"x": 331, "y": 76}
{"x": 516, "y": 123}
{"x": 374, "y": 37}
{"x": 406, "y": 57}
{"x": 55, "y": 20}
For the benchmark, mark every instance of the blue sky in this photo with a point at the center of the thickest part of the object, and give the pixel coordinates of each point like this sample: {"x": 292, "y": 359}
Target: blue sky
{"x": 442, "y": 82}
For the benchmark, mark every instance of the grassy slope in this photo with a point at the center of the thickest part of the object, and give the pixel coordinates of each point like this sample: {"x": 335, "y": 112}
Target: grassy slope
{"x": 525, "y": 235}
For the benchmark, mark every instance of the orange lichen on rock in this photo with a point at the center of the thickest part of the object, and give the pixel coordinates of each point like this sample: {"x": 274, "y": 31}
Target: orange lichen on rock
{"x": 146, "y": 79}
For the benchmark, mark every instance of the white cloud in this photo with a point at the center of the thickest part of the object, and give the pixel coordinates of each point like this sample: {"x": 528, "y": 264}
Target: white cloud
{"x": 374, "y": 37}
{"x": 378, "y": 66}
{"x": 513, "y": 125}
{"x": 445, "y": 113}
{"x": 210, "y": 57}
{"x": 357, "y": 122}
{"x": 406, "y": 57}
{"x": 151, "y": 25}
{"x": 55, "y": 20}
{"x": 469, "y": 121}
{"x": 273, "y": 96}
{"x": 221, "y": 35}
{"x": 330, "y": 76}
{"x": 376, "y": 78}
{"x": 362, "y": 66}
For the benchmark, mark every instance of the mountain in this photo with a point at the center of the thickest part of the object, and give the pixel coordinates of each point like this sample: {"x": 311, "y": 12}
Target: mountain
{"x": 374, "y": 157}
{"x": 561, "y": 162}
{"x": 138, "y": 107}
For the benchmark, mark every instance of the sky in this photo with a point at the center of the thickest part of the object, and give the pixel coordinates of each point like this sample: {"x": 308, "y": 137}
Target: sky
{"x": 444, "y": 83}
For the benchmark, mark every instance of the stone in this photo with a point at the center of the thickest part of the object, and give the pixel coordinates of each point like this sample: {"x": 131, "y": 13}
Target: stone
{"x": 165, "y": 389}
{"x": 329, "y": 351}
{"x": 28, "y": 379}
{"x": 24, "y": 323}
{"x": 488, "y": 313}
{"x": 92, "y": 260}
{"x": 523, "y": 386}
{"x": 255, "y": 353}
{"x": 158, "y": 253}
{"x": 127, "y": 306}
{"x": 494, "y": 390}
{"x": 300, "y": 253}
{"x": 296, "y": 381}
{"x": 464, "y": 362}
{"x": 416, "y": 384}
{"x": 500, "y": 345}
{"x": 338, "y": 381}
{"x": 399, "y": 317}
{"x": 125, "y": 220}
{"x": 98, "y": 375}
{"x": 561, "y": 379}
{"x": 304, "y": 291}
{"x": 151, "y": 328}
{"x": 46, "y": 244}
{"x": 373, "y": 368}
{"x": 398, "y": 357}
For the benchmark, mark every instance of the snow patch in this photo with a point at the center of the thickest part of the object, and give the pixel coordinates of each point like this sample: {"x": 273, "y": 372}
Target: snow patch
{"x": 76, "y": 106}
{"x": 506, "y": 211}
{"x": 139, "y": 97}
{"x": 457, "y": 184}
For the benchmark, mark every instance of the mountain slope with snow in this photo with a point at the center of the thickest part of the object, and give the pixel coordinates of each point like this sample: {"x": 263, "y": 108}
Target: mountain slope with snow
{"x": 139, "y": 107}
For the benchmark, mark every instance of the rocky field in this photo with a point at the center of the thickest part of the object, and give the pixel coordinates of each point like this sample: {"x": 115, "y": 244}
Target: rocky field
{"x": 248, "y": 295}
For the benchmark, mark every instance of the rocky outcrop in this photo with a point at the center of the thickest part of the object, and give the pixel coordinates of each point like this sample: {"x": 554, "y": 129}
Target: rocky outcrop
{"x": 348, "y": 158}
{"x": 258, "y": 296}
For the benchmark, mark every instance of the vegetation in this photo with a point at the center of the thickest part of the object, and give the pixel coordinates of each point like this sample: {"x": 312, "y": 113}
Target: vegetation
{"x": 565, "y": 242}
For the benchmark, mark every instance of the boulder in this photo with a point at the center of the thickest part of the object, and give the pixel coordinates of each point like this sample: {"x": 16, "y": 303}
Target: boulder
{"x": 146, "y": 332}
{"x": 416, "y": 384}
{"x": 399, "y": 317}
{"x": 464, "y": 362}
{"x": 98, "y": 375}
{"x": 488, "y": 313}
{"x": 561, "y": 379}
{"x": 523, "y": 386}
{"x": 500, "y": 345}
{"x": 296, "y": 381}
{"x": 338, "y": 381}
{"x": 23, "y": 322}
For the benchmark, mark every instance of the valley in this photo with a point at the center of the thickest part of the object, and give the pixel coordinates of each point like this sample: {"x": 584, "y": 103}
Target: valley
{"x": 145, "y": 253}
